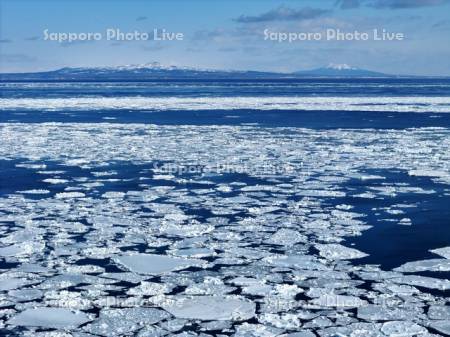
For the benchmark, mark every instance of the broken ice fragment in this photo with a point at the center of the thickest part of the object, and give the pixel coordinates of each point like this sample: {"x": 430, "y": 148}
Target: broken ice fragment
{"x": 373, "y": 312}
{"x": 55, "y": 181}
{"x": 27, "y": 294}
{"x": 12, "y": 250}
{"x": 338, "y": 301}
{"x": 155, "y": 264}
{"x": 339, "y": 252}
{"x": 13, "y": 283}
{"x": 210, "y": 308}
{"x": 354, "y": 330}
{"x": 45, "y": 317}
{"x": 425, "y": 265}
{"x": 285, "y": 321}
{"x": 295, "y": 261}
{"x": 441, "y": 326}
{"x": 439, "y": 312}
{"x": 402, "y": 328}
{"x": 286, "y": 237}
{"x": 423, "y": 281}
{"x": 444, "y": 252}
{"x": 69, "y": 195}
{"x": 427, "y": 173}
{"x": 120, "y": 322}
{"x": 150, "y": 289}
{"x": 305, "y": 333}
{"x": 255, "y": 330}
{"x": 35, "y": 191}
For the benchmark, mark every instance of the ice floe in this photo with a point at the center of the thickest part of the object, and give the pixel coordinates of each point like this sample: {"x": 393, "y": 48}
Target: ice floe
{"x": 424, "y": 281}
{"x": 210, "y": 307}
{"x": 46, "y": 317}
{"x": 120, "y": 322}
{"x": 399, "y": 104}
{"x": 444, "y": 252}
{"x": 127, "y": 245}
{"x": 155, "y": 264}
{"x": 425, "y": 265}
{"x": 339, "y": 252}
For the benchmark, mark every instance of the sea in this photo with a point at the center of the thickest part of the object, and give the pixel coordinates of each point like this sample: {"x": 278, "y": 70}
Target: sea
{"x": 234, "y": 207}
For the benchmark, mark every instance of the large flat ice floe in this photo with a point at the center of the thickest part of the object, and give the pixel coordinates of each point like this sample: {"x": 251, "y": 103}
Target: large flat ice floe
{"x": 444, "y": 252}
{"x": 120, "y": 322}
{"x": 208, "y": 308}
{"x": 425, "y": 265}
{"x": 424, "y": 281}
{"x": 339, "y": 252}
{"x": 56, "y": 318}
{"x": 155, "y": 264}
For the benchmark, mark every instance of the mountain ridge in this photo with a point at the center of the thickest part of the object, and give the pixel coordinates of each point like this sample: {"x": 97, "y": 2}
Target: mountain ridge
{"x": 342, "y": 70}
{"x": 158, "y": 71}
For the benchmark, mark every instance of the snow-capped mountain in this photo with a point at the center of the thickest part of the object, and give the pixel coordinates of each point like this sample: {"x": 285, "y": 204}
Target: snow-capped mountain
{"x": 340, "y": 70}
{"x": 144, "y": 72}
{"x": 145, "y": 67}
{"x": 340, "y": 66}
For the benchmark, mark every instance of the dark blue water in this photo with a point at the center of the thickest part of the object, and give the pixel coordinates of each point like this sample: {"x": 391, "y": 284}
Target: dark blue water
{"x": 275, "y": 118}
{"x": 230, "y": 88}
{"x": 390, "y": 244}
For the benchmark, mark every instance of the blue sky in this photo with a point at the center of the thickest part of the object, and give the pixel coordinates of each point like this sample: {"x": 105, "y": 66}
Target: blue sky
{"x": 228, "y": 34}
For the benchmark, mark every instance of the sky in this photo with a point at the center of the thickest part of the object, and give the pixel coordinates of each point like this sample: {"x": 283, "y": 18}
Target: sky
{"x": 227, "y": 34}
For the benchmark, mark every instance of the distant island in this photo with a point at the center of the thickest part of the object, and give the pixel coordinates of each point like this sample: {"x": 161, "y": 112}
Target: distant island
{"x": 156, "y": 71}
{"x": 340, "y": 70}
